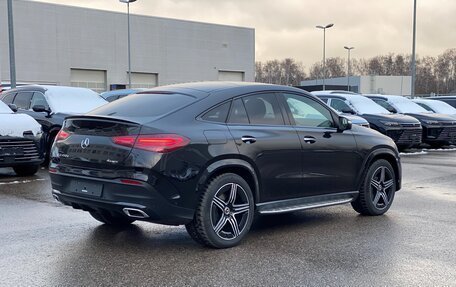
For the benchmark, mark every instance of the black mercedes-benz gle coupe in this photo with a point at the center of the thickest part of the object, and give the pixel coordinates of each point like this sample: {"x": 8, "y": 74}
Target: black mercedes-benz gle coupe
{"x": 213, "y": 155}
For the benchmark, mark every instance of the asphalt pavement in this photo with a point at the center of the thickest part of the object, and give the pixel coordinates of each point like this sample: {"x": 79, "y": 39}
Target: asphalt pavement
{"x": 43, "y": 243}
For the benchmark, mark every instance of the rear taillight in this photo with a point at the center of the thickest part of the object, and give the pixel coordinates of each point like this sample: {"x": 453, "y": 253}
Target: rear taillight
{"x": 161, "y": 143}
{"x": 62, "y": 135}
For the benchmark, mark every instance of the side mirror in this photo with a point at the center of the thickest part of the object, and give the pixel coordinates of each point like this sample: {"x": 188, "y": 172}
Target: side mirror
{"x": 13, "y": 107}
{"x": 344, "y": 124}
{"x": 347, "y": 110}
{"x": 41, "y": 109}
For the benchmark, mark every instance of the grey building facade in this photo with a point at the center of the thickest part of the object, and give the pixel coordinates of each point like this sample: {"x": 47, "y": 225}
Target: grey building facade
{"x": 72, "y": 46}
{"x": 389, "y": 85}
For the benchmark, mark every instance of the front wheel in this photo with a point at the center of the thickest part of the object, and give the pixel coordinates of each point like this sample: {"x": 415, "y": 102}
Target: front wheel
{"x": 377, "y": 191}
{"x": 224, "y": 213}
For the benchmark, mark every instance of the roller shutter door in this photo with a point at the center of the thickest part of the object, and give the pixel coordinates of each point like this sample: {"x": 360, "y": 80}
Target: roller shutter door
{"x": 92, "y": 79}
{"x": 231, "y": 76}
{"x": 143, "y": 80}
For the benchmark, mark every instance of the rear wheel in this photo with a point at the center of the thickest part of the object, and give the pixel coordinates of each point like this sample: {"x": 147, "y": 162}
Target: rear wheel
{"x": 225, "y": 212}
{"x": 110, "y": 219}
{"x": 377, "y": 191}
{"x": 26, "y": 170}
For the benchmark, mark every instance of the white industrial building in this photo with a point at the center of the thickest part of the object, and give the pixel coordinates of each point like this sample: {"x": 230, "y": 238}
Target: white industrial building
{"x": 65, "y": 45}
{"x": 391, "y": 85}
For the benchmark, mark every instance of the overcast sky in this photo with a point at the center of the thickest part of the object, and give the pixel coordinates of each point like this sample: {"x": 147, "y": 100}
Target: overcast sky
{"x": 286, "y": 28}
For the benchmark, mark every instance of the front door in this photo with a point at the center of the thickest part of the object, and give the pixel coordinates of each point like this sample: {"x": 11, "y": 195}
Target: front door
{"x": 330, "y": 161}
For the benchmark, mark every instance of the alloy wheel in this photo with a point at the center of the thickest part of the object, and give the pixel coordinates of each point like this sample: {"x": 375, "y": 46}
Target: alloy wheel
{"x": 230, "y": 211}
{"x": 382, "y": 183}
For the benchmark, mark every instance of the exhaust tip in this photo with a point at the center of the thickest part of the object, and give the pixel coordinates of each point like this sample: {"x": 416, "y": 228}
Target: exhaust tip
{"x": 135, "y": 213}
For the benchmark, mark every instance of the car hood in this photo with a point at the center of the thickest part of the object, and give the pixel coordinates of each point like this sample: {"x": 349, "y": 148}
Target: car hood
{"x": 433, "y": 117}
{"x": 14, "y": 125}
{"x": 402, "y": 119}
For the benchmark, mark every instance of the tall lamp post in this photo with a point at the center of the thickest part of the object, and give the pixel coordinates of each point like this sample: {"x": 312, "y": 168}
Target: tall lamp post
{"x": 12, "y": 57}
{"x": 129, "y": 53}
{"x": 324, "y": 50}
{"x": 413, "y": 51}
{"x": 348, "y": 66}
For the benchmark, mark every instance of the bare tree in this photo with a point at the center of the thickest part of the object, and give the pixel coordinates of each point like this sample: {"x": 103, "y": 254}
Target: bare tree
{"x": 285, "y": 72}
{"x": 434, "y": 74}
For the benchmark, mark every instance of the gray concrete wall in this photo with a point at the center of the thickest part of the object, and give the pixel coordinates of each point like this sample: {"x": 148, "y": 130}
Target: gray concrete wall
{"x": 388, "y": 85}
{"x": 52, "y": 39}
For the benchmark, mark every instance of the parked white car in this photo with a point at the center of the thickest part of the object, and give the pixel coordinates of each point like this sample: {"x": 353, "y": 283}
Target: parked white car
{"x": 20, "y": 142}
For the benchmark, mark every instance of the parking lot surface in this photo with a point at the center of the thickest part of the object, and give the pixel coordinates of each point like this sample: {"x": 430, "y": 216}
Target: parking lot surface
{"x": 46, "y": 244}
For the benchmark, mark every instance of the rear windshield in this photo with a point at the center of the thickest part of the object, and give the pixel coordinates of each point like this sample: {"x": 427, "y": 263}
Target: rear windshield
{"x": 144, "y": 105}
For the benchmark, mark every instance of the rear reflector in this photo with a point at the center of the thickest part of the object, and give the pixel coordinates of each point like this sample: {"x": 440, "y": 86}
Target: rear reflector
{"x": 160, "y": 143}
{"x": 131, "y": 182}
{"x": 62, "y": 135}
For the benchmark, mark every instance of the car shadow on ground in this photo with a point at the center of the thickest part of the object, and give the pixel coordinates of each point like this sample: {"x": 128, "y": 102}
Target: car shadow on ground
{"x": 151, "y": 249}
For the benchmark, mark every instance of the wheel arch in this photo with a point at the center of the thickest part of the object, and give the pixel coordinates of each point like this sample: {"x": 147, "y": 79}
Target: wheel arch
{"x": 236, "y": 166}
{"x": 388, "y": 155}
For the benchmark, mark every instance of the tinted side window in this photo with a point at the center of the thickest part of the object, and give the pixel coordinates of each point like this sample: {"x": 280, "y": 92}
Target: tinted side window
{"x": 451, "y": 102}
{"x": 8, "y": 99}
{"x": 383, "y": 103}
{"x": 263, "y": 109}
{"x": 339, "y": 105}
{"x": 426, "y": 107}
{"x": 22, "y": 100}
{"x": 307, "y": 112}
{"x": 325, "y": 100}
{"x": 39, "y": 99}
{"x": 217, "y": 114}
{"x": 238, "y": 114}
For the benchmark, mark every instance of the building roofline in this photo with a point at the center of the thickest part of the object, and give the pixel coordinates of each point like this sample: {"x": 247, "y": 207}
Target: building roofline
{"x": 134, "y": 15}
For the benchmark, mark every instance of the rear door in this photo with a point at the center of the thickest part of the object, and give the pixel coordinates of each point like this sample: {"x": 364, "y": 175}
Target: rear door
{"x": 259, "y": 129}
{"x": 330, "y": 161}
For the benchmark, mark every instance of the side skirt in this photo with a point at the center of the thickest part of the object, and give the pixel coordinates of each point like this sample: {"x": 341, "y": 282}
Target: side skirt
{"x": 295, "y": 204}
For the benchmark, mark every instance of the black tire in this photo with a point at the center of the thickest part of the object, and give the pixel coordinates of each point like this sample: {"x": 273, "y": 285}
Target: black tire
{"x": 26, "y": 170}
{"x": 376, "y": 193}
{"x": 110, "y": 219}
{"x": 224, "y": 213}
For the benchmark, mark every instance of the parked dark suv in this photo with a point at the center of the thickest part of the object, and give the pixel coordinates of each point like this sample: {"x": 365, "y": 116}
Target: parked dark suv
{"x": 404, "y": 130}
{"x": 212, "y": 155}
{"x": 438, "y": 129}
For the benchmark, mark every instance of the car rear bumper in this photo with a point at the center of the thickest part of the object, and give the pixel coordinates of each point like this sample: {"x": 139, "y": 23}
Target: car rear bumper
{"x": 117, "y": 197}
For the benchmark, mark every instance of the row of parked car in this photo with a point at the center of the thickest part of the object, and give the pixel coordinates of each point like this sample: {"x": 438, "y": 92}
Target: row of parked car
{"x": 32, "y": 115}
{"x": 408, "y": 122}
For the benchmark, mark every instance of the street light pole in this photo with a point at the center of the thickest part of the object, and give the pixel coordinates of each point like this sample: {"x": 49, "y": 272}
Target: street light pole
{"x": 12, "y": 57}
{"x": 348, "y": 66}
{"x": 413, "y": 51}
{"x": 129, "y": 42}
{"x": 324, "y": 50}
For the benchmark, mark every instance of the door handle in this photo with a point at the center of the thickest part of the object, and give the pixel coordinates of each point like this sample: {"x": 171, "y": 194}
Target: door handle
{"x": 309, "y": 139}
{"x": 248, "y": 139}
